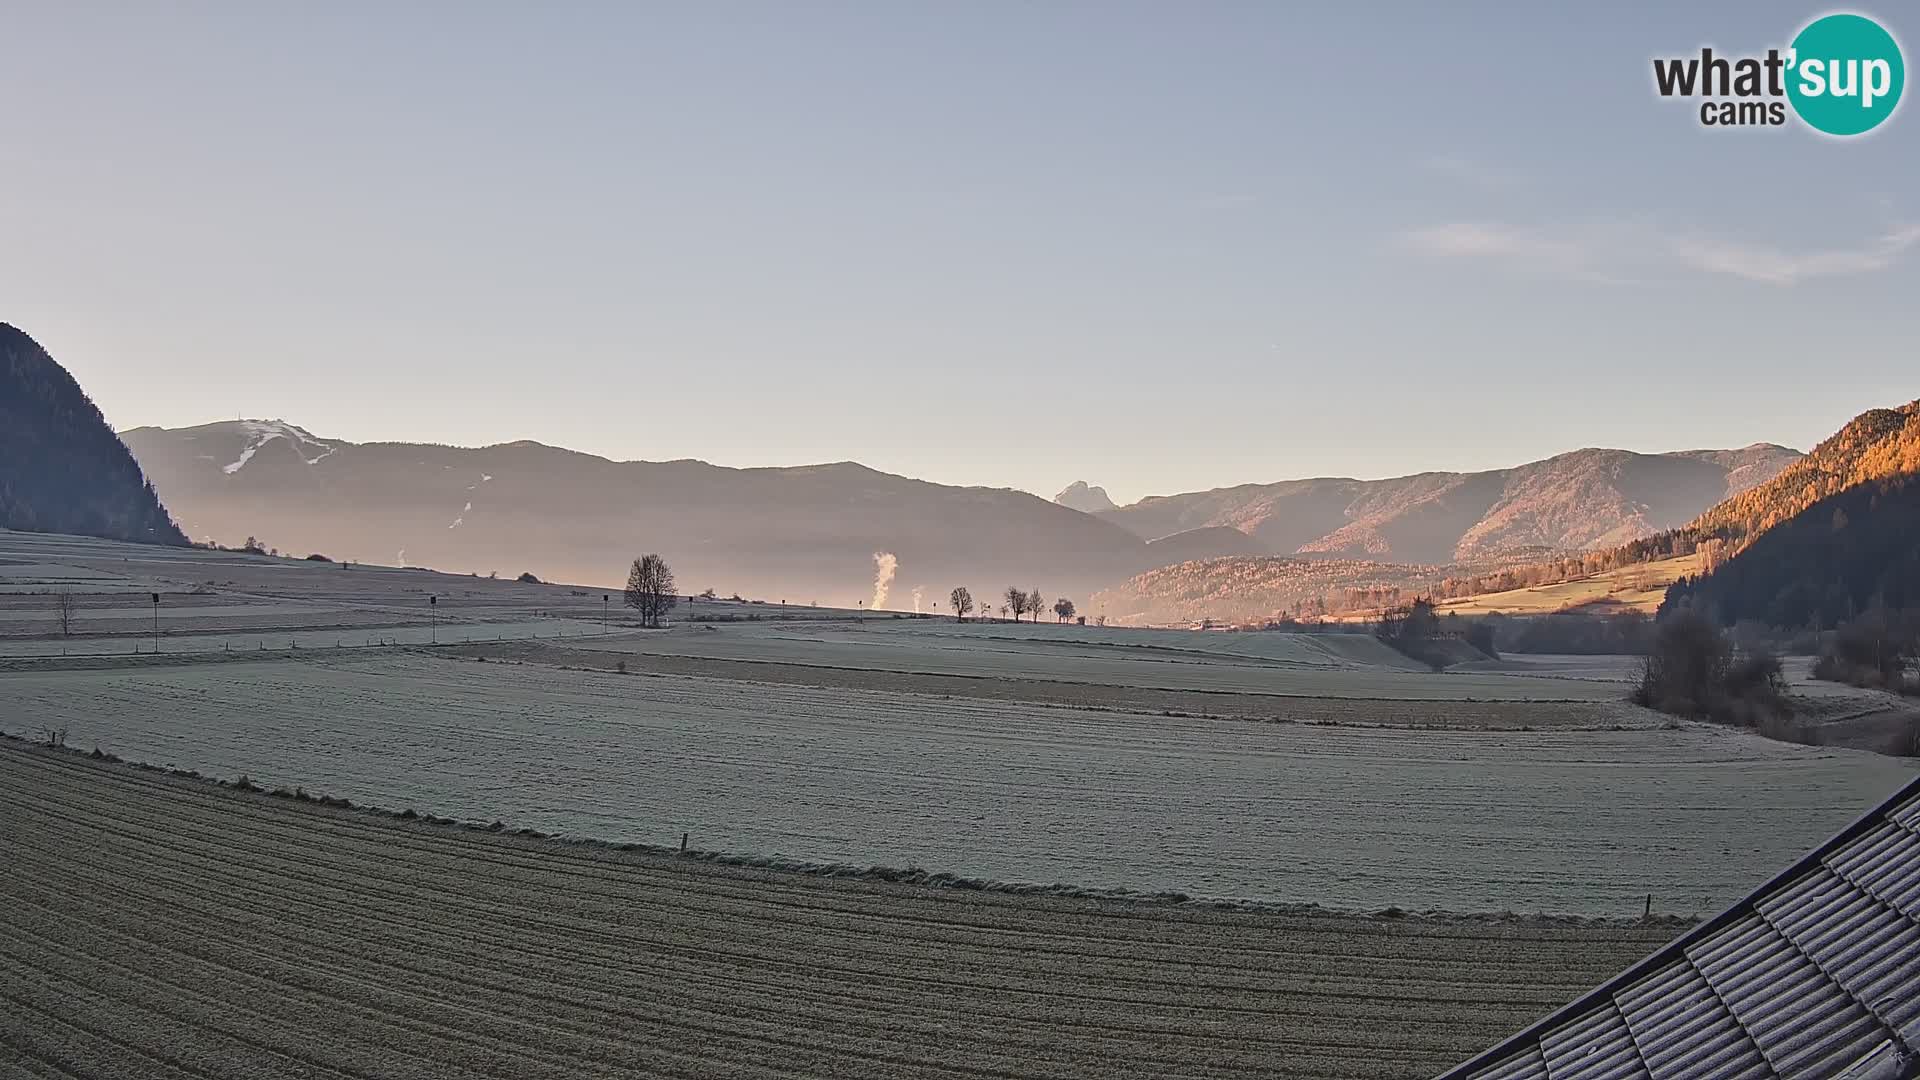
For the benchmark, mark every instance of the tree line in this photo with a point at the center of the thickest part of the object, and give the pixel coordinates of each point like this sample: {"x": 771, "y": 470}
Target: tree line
{"x": 650, "y": 593}
{"x": 1018, "y": 602}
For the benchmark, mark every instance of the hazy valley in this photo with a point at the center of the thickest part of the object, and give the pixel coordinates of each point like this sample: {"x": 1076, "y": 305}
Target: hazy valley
{"x": 814, "y": 533}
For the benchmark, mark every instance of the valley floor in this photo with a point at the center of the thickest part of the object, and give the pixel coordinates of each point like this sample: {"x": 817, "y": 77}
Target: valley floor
{"x": 159, "y": 926}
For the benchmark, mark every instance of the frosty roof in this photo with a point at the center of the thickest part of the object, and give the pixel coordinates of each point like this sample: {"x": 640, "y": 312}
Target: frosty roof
{"x": 1817, "y": 974}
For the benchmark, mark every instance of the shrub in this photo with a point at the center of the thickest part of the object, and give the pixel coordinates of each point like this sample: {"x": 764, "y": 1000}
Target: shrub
{"x": 527, "y": 578}
{"x": 1875, "y": 650}
{"x": 317, "y": 557}
{"x": 1480, "y": 635}
{"x": 1575, "y": 633}
{"x": 1693, "y": 671}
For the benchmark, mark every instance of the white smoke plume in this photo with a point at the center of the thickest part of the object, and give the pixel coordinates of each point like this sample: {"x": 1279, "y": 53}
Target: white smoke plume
{"x": 884, "y": 564}
{"x": 918, "y": 591}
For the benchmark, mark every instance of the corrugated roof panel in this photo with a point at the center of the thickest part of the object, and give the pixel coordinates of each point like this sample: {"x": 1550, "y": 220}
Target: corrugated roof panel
{"x": 1816, "y": 969}
{"x": 1897, "y": 879}
{"x": 1528, "y": 1064}
{"x": 1886, "y": 863}
{"x": 1683, "y": 1029}
{"x": 1857, "y": 941}
{"x": 1798, "y": 1017}
{"x": 1809, "y": 899}
{"x": 1883, "y": 969}
{"x": 1597, "y": 1046}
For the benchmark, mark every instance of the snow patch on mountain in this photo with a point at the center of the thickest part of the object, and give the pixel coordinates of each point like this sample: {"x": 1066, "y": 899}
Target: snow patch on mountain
{"x": 259, "y": 433}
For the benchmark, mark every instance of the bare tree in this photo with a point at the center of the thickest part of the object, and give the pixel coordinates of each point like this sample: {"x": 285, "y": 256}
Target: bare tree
{"x": 1017, "y": 601}
{"x": 1036, "y": 604}
{"x": 1003, "y": 611}
{"x": 962, "y": 601}
{"x": 1063, "y": 607}
{"x": 63, "y": 613}
{"x": 650, "y": 589}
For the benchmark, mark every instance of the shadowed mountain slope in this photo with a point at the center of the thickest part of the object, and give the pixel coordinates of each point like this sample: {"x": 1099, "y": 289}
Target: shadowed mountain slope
{"x": 62, "y": 469}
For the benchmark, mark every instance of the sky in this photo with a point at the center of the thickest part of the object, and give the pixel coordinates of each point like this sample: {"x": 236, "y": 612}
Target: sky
{"x": 1158, "y": 247}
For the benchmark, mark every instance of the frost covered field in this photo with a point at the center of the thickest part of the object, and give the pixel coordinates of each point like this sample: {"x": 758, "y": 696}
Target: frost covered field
{"x": 1585, "y": 821}
{"x": 159, "y": 927}
{"x": 1310, "y": 665}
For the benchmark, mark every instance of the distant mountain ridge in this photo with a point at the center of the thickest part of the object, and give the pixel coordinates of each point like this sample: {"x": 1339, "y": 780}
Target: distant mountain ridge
{"x": 1087, "y": 500}
{"x": 799, "y": 534}
{"x": 62, "y": 469}
{"x": 1584, "y": 499}
{"x": 812, "y": 532}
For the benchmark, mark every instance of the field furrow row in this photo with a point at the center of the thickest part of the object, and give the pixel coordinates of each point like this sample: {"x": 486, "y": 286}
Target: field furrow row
{"x": 162, "y": 926}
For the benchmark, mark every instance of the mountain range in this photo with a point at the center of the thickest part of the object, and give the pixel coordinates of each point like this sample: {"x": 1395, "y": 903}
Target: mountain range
{"x": 61, "y": 467}
{"x": 1575, "y": 501}
{"x": 821, "y": 532}
{"x": 813, "y": 533}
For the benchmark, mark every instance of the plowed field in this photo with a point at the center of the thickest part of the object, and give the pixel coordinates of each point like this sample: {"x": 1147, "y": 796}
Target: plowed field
{"x": 153, "y": 926}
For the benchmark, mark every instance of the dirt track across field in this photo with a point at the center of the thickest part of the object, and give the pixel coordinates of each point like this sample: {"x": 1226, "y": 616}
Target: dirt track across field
{"x": 158, "y": 926}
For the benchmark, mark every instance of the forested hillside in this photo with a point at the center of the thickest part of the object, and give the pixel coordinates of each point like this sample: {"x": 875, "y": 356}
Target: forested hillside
{"x": 1876, "y": 445}
{"x": 62, "y": 469}
{"x": 1836, "y": 558}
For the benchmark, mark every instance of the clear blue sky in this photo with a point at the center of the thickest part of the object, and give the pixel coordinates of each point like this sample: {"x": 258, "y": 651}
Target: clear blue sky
{"x": 1156, "y": 246}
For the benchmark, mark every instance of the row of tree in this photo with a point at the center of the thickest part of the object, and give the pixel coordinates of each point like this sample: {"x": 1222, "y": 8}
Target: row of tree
{"x": 1018, "y": 602}
{"x": 650, "y": 592}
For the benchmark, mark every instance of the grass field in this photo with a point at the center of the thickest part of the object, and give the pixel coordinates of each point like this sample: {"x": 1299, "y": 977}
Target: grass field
{"x": 159, "y": 927}
{"x": 1631, "y": 588}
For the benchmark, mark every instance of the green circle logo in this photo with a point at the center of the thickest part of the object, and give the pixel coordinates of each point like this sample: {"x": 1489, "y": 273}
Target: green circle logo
{"x": 1845, "y": 74}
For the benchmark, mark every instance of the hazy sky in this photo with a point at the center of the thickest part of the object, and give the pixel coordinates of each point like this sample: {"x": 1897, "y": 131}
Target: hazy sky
{"x": 1155, "y": 246}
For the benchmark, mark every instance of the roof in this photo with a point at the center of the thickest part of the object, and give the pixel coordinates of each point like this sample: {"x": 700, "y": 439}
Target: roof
{"x": 1816, "y": 974}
